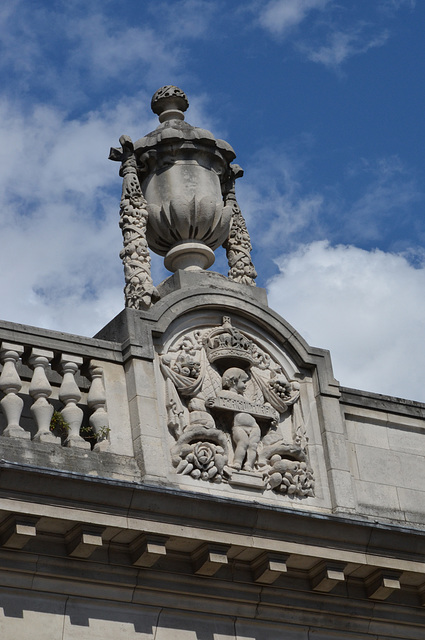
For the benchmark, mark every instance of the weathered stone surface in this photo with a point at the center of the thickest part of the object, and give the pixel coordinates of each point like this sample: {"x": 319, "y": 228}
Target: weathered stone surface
{"x": 212, "y": 281}
{"x": 48, "y": 456}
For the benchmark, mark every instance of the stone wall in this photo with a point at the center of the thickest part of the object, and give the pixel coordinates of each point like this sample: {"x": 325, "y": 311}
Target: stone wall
{"x": 386, "y": 440}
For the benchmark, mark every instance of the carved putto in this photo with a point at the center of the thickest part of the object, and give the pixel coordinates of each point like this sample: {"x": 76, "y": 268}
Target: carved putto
{"x": 234, "y": 415}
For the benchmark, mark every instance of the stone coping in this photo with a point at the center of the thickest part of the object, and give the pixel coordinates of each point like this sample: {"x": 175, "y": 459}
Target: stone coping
{"x": 382, "y": 402}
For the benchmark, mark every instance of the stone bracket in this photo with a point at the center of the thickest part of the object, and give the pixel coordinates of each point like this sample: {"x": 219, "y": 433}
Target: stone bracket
{"x": 82, "y": 541}
{"x": 17, "y": 530}
{"x": 209, "y": 559}
{"x": 381, "y": 584}
{"x": 147, "y": 550}
{"x": 269, "y": 567}
{"x": 326, "y": 576}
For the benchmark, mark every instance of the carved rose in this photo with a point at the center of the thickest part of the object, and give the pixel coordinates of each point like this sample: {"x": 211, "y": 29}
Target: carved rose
{"x": 201, "y": 460}
{"x": 204, "y": 455}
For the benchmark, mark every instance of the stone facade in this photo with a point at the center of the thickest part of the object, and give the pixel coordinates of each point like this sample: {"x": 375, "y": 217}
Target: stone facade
{"x": 195, "y": 472}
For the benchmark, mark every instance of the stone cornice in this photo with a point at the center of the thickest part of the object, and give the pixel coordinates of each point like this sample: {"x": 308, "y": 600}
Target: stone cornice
{"x": 237, "y": 521}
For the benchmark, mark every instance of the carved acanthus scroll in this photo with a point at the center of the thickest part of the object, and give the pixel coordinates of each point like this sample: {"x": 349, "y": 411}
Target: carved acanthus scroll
{"x": 238, "y": 244}
{"x": 226, "y": 400}
{"x": 139, "y": 290}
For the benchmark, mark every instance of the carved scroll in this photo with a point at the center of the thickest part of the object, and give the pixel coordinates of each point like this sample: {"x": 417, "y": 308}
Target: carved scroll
{"x": 139, "y": 290}
{"x": 238, "y": 244}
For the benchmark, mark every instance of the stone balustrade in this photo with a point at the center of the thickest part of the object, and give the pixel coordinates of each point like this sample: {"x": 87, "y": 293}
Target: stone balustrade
{"x": 65, "y": 395}
{"x": 73, "y": 404}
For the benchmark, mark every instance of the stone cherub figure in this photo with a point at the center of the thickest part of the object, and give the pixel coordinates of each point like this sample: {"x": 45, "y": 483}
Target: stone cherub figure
{"x": 245, "y": 430}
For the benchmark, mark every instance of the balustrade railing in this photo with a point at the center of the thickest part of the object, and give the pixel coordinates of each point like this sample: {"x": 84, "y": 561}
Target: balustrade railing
{"x": 56, "y": 398}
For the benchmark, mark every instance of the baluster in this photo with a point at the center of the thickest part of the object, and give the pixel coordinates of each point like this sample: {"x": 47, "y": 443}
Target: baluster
{"x": 96, "y": 401}
{"x": 40, "y": 390}
{"x": 10, "y": 384}
{"x": 70, "y": 394}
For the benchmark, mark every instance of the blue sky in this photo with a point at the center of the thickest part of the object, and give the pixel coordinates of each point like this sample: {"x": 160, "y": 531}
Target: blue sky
{"x": 323, "y": 102}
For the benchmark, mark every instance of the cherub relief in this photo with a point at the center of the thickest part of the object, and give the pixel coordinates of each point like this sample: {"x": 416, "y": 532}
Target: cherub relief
{"x": 245, "y": 430}
{"x": 225, "y": 419}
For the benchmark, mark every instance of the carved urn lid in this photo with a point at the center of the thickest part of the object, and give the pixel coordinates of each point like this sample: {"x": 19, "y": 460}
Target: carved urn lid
{"x": 169, "y": 103}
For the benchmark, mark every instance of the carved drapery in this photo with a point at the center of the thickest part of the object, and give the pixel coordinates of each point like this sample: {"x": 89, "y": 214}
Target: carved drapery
{"x": 226, "y": 401}
{"x": 139, "y": 290}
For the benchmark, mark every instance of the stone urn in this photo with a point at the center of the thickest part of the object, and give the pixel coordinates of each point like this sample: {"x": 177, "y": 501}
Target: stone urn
{"x": 183, "y": 172}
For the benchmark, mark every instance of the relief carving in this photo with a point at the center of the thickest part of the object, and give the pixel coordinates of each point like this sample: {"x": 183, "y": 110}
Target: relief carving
{"x": 226, "y": 401}
{"x": 139, "y": 291}
{"x": 238, "y": 244}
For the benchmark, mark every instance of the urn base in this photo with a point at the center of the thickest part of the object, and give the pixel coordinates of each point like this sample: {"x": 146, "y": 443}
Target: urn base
{"x": 189, "y": 256}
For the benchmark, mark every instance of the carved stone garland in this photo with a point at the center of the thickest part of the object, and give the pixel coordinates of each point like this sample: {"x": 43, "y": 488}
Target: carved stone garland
{"x": 226, "y": 399}
{"x": 238, "y": 244}
{"x": 139, "y": 290}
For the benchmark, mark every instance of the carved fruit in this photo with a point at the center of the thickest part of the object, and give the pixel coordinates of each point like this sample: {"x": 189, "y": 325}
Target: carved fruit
{"x": 275, "y": 480}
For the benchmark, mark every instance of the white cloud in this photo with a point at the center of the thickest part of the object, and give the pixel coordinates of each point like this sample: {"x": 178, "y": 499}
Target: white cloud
{"x": 59, "y": 223}
{"x": 280, "y": 16}
{"x": 367, "y": 307}
{"x": 371, "y": 201}
{"x": 59, "y": 204}
{"x": 59, "y": 194}
{"x": 331, "y": 32}
{"x": 101, "y": 49}
{"x": 272, "y": 197}
{"x": 342, "y": 45}
{"x": 66, "y": 53}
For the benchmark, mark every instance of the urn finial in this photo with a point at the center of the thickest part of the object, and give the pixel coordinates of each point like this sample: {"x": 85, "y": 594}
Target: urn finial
{"x": 184, "y": 178}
